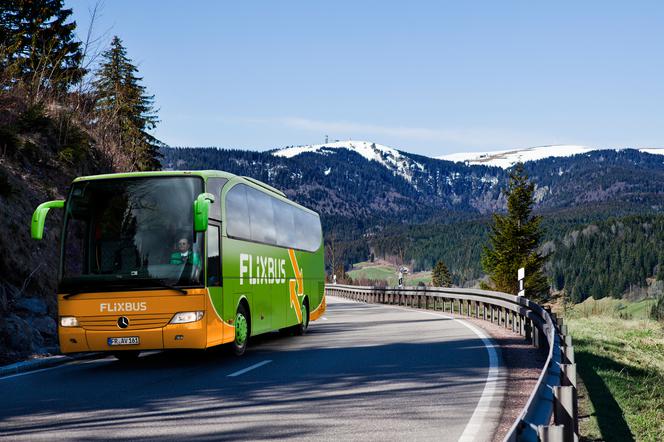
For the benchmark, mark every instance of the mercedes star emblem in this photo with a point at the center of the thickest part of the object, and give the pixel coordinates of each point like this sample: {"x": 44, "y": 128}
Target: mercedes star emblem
{"x": 123, "y": 322}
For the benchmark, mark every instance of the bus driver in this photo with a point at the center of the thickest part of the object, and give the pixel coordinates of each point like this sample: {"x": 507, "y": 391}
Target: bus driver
{"x": 185, "y": 255}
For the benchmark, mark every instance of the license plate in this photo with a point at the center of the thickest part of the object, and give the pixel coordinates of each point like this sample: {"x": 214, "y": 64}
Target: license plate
{"x": 130, "y": 340}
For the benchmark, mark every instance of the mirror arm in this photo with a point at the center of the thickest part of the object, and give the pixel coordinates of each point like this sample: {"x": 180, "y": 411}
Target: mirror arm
{"x": 39, "y": 217}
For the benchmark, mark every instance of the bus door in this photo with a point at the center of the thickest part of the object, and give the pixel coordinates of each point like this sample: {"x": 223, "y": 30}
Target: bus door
{"x": 213, "y": 280}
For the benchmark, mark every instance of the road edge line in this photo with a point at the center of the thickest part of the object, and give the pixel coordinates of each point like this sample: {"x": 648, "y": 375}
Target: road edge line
{"x": 41, "y": 363}
{"x": 475, "y": 425}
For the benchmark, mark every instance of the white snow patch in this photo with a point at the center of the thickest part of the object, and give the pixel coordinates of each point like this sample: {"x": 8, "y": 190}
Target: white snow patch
{"x": 327, "y": 171}
{"x": 508, "y": 158}
{"x": 387, "y": 156}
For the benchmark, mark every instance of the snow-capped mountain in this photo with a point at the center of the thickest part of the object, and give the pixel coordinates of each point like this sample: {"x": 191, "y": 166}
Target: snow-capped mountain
{"x": 388, "y": 157}
{"x": 508, "y": 158}
{"x": 362, "y": 180}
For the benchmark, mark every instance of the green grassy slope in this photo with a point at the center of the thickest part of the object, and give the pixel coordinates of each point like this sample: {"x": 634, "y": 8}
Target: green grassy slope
{"x": 381, "y": 271}
{"x": 621, "y": 363}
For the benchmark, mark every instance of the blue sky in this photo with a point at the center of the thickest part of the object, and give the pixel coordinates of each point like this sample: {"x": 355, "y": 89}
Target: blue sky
{"x": 426, "y": 77}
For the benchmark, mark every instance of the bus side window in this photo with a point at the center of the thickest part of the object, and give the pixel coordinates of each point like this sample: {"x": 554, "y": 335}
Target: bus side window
{"x": 237, "y": 213}
{"x": 261, "y": 217}
{"x": 284, "y": 220}
{"x": 214, "y": 186}
{"x": 213, "y": 257}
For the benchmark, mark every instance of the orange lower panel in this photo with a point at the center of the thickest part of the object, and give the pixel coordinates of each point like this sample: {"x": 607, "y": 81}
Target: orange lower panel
{"x": 192, "y": 335}
{"x": 72, "y": 340}
{"x": 319, "y": 310}
{"x": 76, "y": 339}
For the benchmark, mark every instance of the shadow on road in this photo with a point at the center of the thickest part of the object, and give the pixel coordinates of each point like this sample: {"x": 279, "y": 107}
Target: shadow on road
{"x": 337, "y": 372}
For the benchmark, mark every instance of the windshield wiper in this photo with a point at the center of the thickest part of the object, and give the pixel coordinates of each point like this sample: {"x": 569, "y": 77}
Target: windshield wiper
{"x": 70, "y": 294}
{"x": 164, "y": 285}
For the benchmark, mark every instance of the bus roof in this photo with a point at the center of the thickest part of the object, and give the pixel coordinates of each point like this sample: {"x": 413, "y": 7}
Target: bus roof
{"x": 205, "y": 174}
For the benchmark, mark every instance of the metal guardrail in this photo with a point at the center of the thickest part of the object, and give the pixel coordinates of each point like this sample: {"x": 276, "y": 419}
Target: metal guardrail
{"x": 551, "y": 413}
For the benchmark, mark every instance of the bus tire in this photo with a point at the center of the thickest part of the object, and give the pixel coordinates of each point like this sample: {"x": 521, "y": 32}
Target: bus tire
{"x": 301, "y": 328}
{"x": 127, "y": 355}
{"x": 242, "y": 330}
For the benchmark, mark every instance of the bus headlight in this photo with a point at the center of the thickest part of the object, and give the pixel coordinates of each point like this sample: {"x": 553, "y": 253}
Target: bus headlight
{"x": 68, "y": 321}
{"x": 184, "y": 317}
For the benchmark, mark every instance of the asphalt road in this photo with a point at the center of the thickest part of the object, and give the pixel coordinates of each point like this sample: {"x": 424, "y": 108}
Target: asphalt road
{"x": 363, "y": 372}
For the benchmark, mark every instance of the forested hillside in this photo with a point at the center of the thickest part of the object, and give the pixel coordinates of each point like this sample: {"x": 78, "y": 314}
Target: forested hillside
{"x": 593, "y": 205}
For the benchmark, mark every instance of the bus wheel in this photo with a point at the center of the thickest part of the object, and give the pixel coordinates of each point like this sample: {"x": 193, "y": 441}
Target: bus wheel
{"x": 302, "y": 328}
{"x": 241, "y": 331}
{"x": 127, "y": 355}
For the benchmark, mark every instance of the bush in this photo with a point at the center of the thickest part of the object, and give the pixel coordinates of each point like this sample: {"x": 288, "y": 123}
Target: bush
{"x": 9, "y": 142}
{"x": 33, "y": 119}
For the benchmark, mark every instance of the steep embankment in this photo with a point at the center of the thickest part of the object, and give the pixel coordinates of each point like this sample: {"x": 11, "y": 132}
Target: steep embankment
{"x": 33, "y": 169}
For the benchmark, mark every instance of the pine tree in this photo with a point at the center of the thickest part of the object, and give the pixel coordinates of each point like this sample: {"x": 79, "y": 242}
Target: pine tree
{"x": 38, "y": 45}
{"x": 514, "y": 240}
{"x": 126, "y": 112}
{"x": 441, "y": 275}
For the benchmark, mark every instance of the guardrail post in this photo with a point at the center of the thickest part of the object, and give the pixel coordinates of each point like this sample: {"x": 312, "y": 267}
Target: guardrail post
{"x": 563, "y": 413}
{"x": 528, "y": 330}
{"x": 568, "y": 354}
{"x": 550, "y": 433}
{"x": 568, "y": 379}
{"x": 536, "y": 335}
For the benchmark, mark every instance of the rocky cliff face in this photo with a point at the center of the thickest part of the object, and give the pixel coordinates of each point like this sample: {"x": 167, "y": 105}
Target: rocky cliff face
{"x": 31, "y": 172}
{"x": 28, "y": 268}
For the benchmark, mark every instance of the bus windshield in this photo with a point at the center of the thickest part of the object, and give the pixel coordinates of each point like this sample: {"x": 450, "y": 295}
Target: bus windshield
{"x": 131, "y": 233}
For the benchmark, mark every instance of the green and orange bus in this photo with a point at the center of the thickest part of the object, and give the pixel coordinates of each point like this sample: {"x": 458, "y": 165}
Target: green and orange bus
{"x": 174, "y": 260}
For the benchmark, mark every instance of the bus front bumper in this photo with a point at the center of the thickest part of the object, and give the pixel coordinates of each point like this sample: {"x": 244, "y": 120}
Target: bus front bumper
{"x": 172, "y": 336}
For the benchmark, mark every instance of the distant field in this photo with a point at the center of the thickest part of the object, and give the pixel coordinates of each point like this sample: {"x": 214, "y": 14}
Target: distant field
{"x": 621, "y": 363}
{"x": 381, "y": 271}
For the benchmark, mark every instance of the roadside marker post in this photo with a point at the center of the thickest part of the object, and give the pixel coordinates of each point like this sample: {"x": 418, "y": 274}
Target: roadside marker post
{"x": 521, "y": 275}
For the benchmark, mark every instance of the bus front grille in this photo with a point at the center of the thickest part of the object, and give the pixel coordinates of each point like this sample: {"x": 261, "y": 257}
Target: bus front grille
{"x": 136, "y": 322}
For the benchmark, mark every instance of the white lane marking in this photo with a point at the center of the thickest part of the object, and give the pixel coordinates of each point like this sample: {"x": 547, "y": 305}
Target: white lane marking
{"x": 476, "y": 425}
{"x": 324, "y": 318}
{"x": 244, "y": 370}
{"x": 51, "y": 368}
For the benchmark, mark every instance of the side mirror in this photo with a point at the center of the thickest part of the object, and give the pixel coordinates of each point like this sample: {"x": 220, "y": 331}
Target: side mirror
{"x": 39, "y": 217}
{"x": 201, "y": 211}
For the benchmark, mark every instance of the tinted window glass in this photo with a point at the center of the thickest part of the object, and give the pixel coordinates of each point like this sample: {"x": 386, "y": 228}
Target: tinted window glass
{"x": 214, "y": 260}
{"x": 237, "y": 213}
{"x": 214, "y": 186}
{"x": 261, "y": 216}
{"x": 284, "y": 217}
{"x": 254, "y": 215}
{"x": 309, "y": 232}
{"x": 131, "y": 232}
